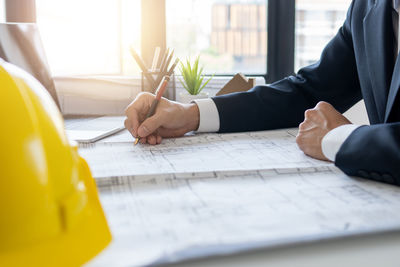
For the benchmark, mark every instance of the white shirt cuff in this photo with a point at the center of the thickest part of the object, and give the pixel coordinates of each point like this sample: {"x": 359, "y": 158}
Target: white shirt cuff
{"x": 209, "y": 116}
{"x": 335, "y": 138}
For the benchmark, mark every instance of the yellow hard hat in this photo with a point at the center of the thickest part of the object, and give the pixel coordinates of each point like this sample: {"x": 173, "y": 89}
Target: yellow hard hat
{"x": 50, "y": 214}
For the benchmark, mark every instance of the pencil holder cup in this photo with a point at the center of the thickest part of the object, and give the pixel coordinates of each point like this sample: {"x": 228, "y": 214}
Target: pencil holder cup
{"x": 151, "y": 80}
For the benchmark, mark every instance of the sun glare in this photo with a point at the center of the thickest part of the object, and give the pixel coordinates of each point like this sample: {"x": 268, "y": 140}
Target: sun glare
{"x": 91, "y": 36}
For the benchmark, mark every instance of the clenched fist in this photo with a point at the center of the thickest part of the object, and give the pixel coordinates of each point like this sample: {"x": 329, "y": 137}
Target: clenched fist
{"x": 317, "y": 123}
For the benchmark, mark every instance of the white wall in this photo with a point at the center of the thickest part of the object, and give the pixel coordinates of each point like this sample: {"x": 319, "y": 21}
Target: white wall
{"x": 110, "y": 95}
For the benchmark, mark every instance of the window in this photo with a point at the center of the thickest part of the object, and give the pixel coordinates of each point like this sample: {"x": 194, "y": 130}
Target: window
{"x": 91, "y": 36}
{"x": 316, "y": 23}
{"x": 229, "y": 35}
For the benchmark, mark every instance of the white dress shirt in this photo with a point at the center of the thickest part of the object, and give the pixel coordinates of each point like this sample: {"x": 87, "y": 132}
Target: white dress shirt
{"x": 332, "y": 141}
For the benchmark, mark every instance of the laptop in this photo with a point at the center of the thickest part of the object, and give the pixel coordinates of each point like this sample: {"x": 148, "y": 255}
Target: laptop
{"x": 21, "y": 45}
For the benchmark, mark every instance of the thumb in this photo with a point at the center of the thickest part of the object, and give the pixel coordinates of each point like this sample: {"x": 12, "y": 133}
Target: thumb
{"x": 149, "y": 126}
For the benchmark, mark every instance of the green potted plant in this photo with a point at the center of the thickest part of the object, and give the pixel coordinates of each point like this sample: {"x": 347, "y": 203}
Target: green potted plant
{"x": 193, "y": 81}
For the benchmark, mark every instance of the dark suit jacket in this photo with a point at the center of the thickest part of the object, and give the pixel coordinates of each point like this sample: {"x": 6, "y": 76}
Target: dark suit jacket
{"x": 357, "y": 63}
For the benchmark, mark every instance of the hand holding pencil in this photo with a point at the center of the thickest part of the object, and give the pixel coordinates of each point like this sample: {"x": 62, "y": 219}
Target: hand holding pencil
{"x": 149, "y": 122}
{"x": 159, "y": 93}
{"x": 151, "y": 117}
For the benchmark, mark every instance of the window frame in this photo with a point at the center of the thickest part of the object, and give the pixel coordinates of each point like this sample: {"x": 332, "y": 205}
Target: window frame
{"x": 20, "y": 10}
{"x": 281, "y": 39}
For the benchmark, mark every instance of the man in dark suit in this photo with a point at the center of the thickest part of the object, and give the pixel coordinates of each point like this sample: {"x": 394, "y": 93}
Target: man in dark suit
{"x": 360, "y": 62}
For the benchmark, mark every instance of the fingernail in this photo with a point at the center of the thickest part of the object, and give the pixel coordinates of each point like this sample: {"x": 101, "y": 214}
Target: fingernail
{"x": 143, "y": 131}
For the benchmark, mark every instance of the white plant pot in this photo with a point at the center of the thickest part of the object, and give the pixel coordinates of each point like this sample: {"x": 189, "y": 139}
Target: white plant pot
{"x": 185, "y": 97}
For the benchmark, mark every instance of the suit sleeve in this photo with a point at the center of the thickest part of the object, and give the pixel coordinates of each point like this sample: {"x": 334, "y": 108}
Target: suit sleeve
{"x": 372, "y": 152}
{"x": 282, "y": 104}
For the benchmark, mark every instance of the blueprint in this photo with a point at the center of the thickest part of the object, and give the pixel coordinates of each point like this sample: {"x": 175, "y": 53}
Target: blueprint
{"x": 167, "y": 218}
{"x": 213, "y": 194}
{"x": 197, "y": 153}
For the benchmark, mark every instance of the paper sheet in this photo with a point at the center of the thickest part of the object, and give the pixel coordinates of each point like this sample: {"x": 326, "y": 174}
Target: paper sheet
{"x": 104, "y": 123}
{"x": 215, "y": 194}
{"x": 118, "y": 156}
{"x": 167, "y": 218}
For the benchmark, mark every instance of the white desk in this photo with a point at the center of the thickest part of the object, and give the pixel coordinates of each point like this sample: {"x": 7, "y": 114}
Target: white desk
{"x": 372, "y": 250}
{"x": 367, "y": 251}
